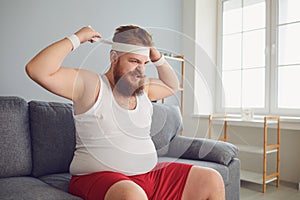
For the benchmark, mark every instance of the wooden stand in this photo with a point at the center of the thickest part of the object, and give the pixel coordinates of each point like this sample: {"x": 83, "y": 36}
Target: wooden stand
{"x": 265, "y": 150}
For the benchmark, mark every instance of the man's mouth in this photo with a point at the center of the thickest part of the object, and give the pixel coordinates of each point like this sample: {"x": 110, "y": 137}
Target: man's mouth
{"x": 138, "y": 75}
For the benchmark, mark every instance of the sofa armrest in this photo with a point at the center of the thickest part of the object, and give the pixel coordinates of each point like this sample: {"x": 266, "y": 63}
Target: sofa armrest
{"x": 202, "y": 149}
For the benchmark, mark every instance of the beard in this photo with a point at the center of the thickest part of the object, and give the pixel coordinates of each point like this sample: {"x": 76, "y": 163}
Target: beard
{"x": 126, "y": 84}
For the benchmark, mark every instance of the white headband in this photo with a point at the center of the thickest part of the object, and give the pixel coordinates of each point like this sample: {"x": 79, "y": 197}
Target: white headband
{"x": 128, "y": 48}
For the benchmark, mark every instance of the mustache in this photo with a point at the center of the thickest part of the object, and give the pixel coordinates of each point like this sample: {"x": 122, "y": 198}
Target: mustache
{"x": 138, "y": 73}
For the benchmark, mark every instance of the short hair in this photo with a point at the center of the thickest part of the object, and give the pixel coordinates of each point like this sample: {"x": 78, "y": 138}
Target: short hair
{"x": 131, "y": 34}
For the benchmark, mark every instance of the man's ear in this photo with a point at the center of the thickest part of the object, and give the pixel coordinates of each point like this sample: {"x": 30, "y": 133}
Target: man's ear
{"x": 113, "y": 56}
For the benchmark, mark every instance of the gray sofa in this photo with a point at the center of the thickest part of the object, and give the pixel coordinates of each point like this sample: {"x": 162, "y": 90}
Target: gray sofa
{"x": 38, "y": 140}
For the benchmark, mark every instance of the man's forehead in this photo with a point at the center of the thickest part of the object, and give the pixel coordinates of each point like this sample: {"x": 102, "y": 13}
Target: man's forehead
{"x": 139, "y": 57}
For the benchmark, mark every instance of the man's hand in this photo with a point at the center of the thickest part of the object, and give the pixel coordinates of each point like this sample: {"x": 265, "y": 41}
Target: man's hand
{"x": 155, "y": 55}
{"x": 86, "y": 34}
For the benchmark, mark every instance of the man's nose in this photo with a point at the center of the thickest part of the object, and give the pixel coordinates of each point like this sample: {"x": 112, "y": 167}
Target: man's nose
{"x": 141, "y": 68}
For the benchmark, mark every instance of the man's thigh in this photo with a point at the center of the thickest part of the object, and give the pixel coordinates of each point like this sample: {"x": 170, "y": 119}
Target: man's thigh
{"x": 170, "y": 180}
{"x": 94, "y": 186}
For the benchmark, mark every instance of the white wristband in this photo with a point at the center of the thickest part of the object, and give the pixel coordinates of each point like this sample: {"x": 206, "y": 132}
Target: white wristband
{"x": 74, "y": 40}
{"x": 160, "y": 62}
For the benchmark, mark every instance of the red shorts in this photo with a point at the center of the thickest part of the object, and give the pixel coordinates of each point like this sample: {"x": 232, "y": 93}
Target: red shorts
{"x": 165, "y": 182}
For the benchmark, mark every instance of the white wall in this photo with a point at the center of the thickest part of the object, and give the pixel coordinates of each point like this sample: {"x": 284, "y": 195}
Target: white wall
{"x": 206, "y": 49}
{"x": 200, "y": 28}
{"x": 29, "y": 26}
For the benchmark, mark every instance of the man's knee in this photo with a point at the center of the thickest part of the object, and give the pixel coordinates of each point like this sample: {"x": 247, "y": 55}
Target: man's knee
{"x": 204, "y": 183}
{"x": 124, "y": 190}
{"x": 214, "y": 177}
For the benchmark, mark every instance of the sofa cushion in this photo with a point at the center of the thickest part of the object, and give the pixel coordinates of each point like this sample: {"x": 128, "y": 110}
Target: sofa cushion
{"x": 15, "y": 148}
{"x": 59, "y": 181}
{"x": 166, "y": 123}
{"x": 30, "y": 189}
{"x": 53, "y": 137}
{"x": 202, "y": 149}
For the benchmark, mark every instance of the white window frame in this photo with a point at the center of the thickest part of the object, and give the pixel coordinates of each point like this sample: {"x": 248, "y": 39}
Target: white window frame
{"x": 274, "y": 104}
{"x": 271, "y": 69}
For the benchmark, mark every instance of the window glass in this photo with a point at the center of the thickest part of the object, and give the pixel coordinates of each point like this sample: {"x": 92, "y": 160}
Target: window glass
{"x": 253, "y": 88}
{"x": 254, "y": 14}
{"x": 254, "y": 49}
{"x": 232, "y": 53}
{"x": 289, "y": 44}
{"x": 288, "y": 87}
{"x": 289, "y": 11}
{"x": 232, "y": 88}
{"x": 232, "y": 16}
{"x": 288, "y": 59}
{"x": 243, "y": 53}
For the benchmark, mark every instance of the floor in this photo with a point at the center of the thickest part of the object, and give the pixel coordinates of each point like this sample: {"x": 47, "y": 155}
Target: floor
{"x": 286, "y": 191}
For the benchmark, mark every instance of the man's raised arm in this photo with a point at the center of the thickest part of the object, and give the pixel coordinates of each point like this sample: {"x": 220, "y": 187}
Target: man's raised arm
{"x": 45, "y": 68}
{"x": 167, "y": 83}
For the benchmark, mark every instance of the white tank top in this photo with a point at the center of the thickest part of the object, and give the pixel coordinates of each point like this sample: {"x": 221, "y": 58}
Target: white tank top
{"x": 111, "y": 138}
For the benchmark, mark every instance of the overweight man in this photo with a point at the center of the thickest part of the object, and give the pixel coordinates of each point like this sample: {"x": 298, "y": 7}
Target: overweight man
{"x": 115, "y": 157}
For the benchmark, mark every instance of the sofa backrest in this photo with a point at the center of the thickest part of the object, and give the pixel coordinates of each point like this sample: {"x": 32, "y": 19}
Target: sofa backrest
{"x": 52, "y": 137}
{"x": 39, "y": 137}
{"x": 15, "y": 147}
{"x": 166, "y": 124}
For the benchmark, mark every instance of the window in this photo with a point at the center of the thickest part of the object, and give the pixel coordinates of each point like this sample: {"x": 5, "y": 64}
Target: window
{"x": 288, "y": 57}
{"x": 259, "y": 56}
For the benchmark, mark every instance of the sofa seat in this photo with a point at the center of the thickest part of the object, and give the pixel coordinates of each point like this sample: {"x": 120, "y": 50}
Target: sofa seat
{"x": 60, "y": 181}
{"x": 23, "y": 188}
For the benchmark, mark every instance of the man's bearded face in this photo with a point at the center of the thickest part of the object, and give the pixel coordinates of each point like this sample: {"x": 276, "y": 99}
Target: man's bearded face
{"x": 130, "y": 83}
